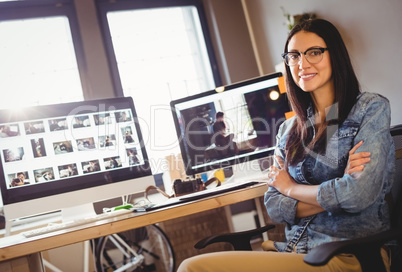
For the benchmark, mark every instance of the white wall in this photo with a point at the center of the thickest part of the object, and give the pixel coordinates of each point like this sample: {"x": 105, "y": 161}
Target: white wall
{"x": 371, "y": 29}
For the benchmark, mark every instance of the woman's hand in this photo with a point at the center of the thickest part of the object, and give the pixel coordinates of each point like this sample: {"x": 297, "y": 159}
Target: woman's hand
{"x": 282, "y": 181}
{"x": 280, "y": 178}
{"x": 356, "y": 161}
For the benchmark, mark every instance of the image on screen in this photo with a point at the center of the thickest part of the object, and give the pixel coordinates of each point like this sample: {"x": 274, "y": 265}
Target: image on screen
{"x": 239, "y": 123}
{"x": 53, "y": 149}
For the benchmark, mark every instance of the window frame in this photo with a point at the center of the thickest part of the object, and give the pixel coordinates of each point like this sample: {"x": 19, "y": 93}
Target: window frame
{"x": 105, "y": 6}
{"x": 19, "y": 10}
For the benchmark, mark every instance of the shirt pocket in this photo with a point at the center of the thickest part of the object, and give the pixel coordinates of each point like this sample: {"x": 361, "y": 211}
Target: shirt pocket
{"x": 341, "y": 142}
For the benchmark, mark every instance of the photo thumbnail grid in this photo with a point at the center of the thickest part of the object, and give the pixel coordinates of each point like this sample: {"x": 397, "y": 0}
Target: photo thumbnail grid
{"x": 52, "y": 149}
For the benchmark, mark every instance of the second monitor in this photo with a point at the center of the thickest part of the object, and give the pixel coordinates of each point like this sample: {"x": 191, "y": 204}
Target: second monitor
{"x": 231, "y": 124}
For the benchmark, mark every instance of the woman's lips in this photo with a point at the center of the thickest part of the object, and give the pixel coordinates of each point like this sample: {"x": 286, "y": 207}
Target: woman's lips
{"x": 307, "y": 76}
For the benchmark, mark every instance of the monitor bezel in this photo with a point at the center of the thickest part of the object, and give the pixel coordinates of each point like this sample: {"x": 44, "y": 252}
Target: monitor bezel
{"x": 229, "y": 162}
{"x": 40, "y": 190}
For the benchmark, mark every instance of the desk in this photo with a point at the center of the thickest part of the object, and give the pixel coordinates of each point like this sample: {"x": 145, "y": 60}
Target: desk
{"x": 10, "y": 249}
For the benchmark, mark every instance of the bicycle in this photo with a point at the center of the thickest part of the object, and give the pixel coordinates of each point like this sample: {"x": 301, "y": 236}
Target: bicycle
{"x": 144, "y": 249}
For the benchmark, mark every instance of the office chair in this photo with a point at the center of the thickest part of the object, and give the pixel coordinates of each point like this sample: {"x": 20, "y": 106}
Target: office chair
{"x": 367, "y": 250}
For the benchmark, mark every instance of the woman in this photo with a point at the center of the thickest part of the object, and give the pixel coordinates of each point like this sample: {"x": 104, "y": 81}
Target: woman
{"x": 334, "y": 160}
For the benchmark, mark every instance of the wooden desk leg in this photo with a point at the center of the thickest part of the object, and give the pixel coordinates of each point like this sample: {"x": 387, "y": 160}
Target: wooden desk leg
{"x": 31, "y": 263}
{"x": 35, "y": 262}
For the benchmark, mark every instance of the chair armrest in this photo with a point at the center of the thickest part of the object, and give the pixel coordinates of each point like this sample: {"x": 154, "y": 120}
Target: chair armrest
{"x": 366, "y": 250}
{"x": 239, "y": 240}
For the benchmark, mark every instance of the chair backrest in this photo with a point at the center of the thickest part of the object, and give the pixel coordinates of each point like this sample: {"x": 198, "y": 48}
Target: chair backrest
{"x": 396, "y": 216}
{"x": 396, "y": 211}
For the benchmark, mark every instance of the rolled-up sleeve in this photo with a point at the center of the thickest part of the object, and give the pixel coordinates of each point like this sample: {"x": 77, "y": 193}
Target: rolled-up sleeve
{"x": 354, "y": 194}
{"x": 280, "y": 208}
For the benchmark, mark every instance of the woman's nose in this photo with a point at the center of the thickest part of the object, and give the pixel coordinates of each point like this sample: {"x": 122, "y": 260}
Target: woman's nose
{"x": 303, "y": 62}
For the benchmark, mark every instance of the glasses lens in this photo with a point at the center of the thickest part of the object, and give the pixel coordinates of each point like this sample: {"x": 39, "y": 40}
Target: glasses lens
{"x": 292, "y": 58}
{"x": 314, "y": 55}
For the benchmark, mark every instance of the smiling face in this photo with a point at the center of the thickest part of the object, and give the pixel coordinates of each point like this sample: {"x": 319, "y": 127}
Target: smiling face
{"x": 21, "y": 177}
{"x": 313, "y": 78}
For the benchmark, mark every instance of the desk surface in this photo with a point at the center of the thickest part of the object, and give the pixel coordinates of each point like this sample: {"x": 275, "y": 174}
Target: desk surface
{"x": 11, "y": 248}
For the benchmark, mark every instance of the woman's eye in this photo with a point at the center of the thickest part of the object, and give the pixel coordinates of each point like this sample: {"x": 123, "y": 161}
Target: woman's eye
{"x": 315, "y": 52}
{"x": 293, "y": 56}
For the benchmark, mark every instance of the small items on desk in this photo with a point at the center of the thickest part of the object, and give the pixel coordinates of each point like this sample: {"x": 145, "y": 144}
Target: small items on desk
{"x": 231, "y": 187}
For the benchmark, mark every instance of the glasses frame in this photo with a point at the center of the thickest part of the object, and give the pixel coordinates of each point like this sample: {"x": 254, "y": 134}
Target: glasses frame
{"x": 285, "y": 55}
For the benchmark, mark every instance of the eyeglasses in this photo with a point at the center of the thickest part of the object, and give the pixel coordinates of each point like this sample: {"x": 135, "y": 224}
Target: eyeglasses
{"x": 313, "y": 56}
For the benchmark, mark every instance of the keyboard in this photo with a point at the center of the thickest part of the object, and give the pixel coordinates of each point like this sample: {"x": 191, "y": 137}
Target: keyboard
{"x": 64, "y": 225}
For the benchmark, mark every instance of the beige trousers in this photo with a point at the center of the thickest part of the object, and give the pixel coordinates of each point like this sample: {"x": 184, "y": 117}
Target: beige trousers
{"x": 256, "y": 261}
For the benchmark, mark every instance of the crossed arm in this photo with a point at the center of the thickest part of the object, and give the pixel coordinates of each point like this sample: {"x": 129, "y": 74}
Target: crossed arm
{"x": 280, "y": 179}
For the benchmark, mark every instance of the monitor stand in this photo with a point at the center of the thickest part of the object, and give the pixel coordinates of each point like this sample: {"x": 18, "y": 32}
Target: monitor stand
{"x": 77, "y": 212}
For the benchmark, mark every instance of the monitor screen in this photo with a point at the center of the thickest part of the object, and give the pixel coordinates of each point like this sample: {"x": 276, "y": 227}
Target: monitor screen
{"x": 55, "y": 149}
{"x": 231, "y": 124}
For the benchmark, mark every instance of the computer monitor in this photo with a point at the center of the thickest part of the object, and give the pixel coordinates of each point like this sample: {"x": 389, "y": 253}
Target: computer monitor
{"x": 66, "y": 156}
{"x": 252, "y": 112}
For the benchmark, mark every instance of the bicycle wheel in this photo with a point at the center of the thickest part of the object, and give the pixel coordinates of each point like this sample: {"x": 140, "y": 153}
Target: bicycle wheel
{"x": 143, "y": 249}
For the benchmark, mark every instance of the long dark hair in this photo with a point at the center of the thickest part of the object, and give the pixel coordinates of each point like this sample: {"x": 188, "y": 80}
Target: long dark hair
{"x": 346, "y": 87}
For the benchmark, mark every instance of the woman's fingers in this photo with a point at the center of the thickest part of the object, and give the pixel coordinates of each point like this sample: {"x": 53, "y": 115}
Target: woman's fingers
{"x": 272, "y": 173}
{"x": 357, "y": 161}
{"x": 356, "y": 169}
{"x": 353, "y": 150}
{"x": 360, "y": 157}
{"x": 280, "y": 162}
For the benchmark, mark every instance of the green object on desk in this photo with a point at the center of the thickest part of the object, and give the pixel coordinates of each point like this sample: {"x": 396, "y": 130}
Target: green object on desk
{"x": 127, "y": 207}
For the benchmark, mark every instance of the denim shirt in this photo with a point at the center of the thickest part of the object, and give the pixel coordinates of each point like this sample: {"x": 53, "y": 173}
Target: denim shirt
{"x": 354, "y": 205}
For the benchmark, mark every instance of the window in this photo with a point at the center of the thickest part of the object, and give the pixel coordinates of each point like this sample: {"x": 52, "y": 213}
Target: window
{"x": 38, "y": 55}
{"x": 161, "y": 54}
